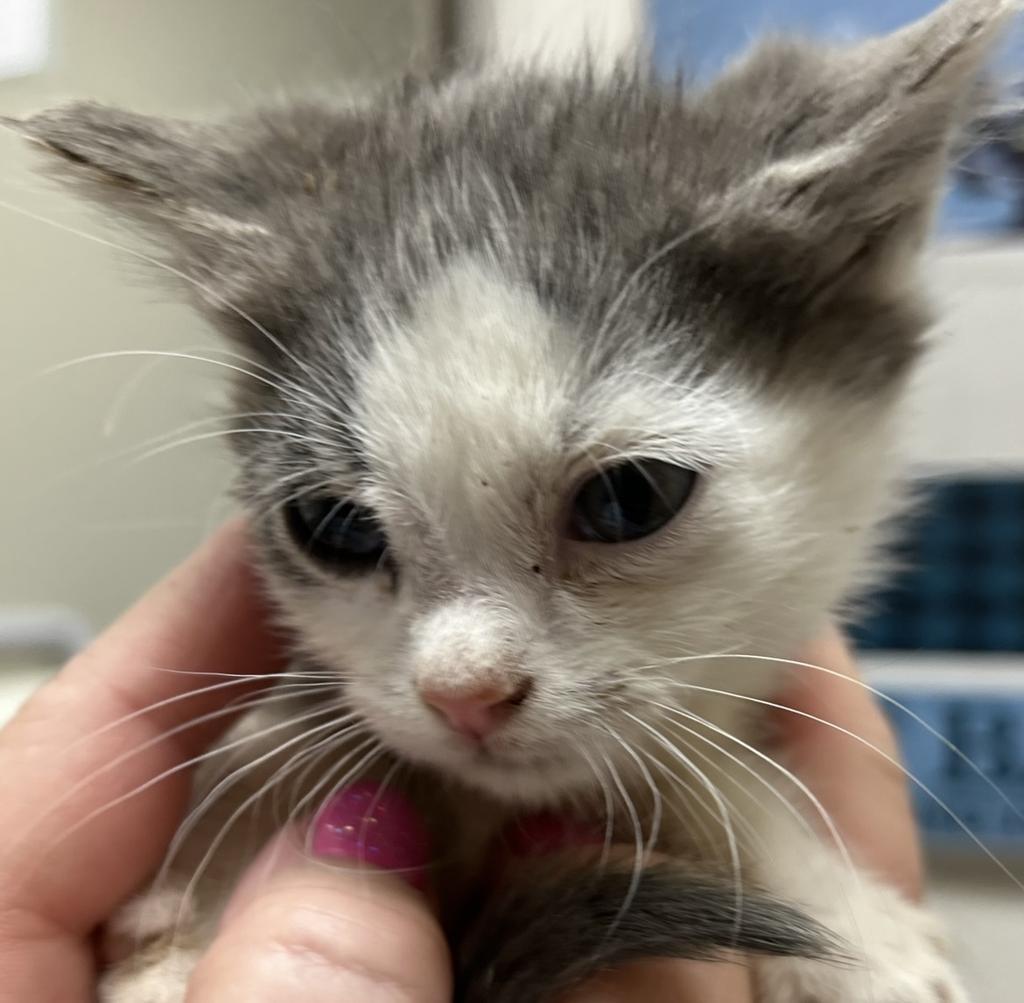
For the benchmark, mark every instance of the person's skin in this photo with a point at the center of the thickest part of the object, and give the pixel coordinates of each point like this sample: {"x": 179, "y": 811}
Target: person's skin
{"x": 302, "y": 927}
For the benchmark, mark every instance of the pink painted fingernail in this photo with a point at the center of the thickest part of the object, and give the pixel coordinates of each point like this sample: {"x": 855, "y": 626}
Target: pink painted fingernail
{"x": 538, "y": 835}
{"x": 364, "y": 824}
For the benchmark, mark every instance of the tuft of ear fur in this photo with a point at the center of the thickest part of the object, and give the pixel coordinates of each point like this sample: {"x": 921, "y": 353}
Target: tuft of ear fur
{"x": 860, "y": 140}
{"x": 557, "y": 926}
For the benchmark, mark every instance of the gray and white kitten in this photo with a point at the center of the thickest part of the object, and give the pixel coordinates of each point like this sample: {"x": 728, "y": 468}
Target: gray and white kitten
{"x": 564, "y": 382}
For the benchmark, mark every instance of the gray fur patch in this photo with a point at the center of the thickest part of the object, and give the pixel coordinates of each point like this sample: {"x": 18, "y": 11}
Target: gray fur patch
{"x": 553, "y": 929}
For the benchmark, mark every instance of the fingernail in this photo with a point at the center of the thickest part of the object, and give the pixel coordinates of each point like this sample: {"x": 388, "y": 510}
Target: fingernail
{"x": 362, "y": 823}
{"x": 544, "y": 833}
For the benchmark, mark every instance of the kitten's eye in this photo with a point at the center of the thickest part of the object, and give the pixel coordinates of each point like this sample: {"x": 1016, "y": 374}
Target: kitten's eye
{"x": 630, "y": 501}
{"x": 337, "y": 533}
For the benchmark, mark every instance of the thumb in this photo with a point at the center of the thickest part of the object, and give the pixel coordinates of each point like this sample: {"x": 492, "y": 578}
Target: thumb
{"x": 324, "y": 926}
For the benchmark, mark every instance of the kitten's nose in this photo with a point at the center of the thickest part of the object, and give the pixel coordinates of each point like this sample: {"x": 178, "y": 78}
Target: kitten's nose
{"x": 478, "y": 711}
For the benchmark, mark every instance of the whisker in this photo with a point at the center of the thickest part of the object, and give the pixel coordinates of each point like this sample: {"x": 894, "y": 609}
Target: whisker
{"x": 171, "y": 771}
{"x": 284, "y": 674}
{"x": 279, "y": 694}
{"x": 638, "y": 859}
{"x": 215, "y": 419}
{"x": 225, "y": 829}
{"x": 880, "y": 695}
{"x": 657, "y": 806}
{"x": 328, "y": 781}
{"x": 224, "y": 433}
{"x": 153, "y": 353}
{"x": 226, "y": 783}
{"x": 924, "y": 788}
{"x": 753, "y": 837}
{"x": 169, "y": 269}
{"x": 378, "y": 794}
{"x": 746, "y": 767}
{"x": 712, "y": 789}
{"x": 312, "y": 758}
{"x": 235, "y": 680}
{"x": 609, "y": 808}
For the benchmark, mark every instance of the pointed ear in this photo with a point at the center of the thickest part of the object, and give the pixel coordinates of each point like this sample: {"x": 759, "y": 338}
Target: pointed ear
{"x": 858, "y": 143}
{"x": 142, "y": 164}
{"x": 184, "y": 185}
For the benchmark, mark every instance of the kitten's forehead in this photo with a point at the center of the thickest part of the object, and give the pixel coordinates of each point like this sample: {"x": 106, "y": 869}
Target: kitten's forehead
{"x": 476, "y": 364}
{"x": 473, "y": 380}
{"x": 482, "y": 384}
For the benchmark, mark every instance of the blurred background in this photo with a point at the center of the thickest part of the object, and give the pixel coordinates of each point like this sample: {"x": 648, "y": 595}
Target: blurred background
{"x": 107, "y": 479}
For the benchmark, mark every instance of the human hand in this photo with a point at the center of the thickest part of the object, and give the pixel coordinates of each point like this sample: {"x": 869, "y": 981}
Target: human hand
{"x": 296, "y": 929}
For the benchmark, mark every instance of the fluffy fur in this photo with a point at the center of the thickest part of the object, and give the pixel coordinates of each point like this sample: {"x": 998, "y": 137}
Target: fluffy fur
{"x": 459, "y": 298}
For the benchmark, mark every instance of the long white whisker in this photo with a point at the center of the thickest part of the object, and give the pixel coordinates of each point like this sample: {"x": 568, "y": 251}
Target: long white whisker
{"x": 878, "y": 694}
{"x": 327, "y": 780}
{"x": 153, "y": 353}
{"x": 754, "y": 837}
{"x": 224, "y": 433}
{"x": 171, "y": 771}
{"x": 657, "y": 806}
{"x": 313, "y": 757}
{"x": 638, "y": 856}
{"x": 222, "y": 833}
{"x": 283, "y": 674}
{"x": 169, "y": 269}
{"x": 227, "y": 782}
{"x": 168, "y": 701}
{"x": 889, "y": 759}
{"x": 609, "y": 808}
{"x": 281, "y": 693}
{"x": 712, "y": 789}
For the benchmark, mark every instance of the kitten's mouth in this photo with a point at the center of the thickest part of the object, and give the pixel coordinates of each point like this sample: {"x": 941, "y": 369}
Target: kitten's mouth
{"x": 520, "y": 761}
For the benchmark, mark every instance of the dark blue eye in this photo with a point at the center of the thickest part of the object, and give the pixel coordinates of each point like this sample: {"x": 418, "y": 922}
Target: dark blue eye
{"x": 630, "y": 501}
{"x": 338, "y": 533}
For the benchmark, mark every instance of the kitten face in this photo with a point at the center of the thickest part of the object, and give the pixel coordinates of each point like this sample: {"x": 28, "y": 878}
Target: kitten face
{"x": 478, "y": 415}
{"x": 458, "y": 302}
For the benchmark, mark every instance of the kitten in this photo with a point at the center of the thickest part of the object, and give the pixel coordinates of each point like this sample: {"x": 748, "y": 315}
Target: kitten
{"x": 560, "y": 383}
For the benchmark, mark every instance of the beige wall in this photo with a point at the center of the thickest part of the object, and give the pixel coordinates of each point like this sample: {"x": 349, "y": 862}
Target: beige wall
{"x": 77, "y": 527}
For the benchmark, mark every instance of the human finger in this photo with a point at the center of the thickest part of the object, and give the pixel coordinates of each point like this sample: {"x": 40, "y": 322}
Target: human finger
{"x": 328, "y": 925}
{"x": 67, "y": 860}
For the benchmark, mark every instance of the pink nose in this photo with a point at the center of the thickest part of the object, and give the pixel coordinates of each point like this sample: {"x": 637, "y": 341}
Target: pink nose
{"x": 478, "y": 712}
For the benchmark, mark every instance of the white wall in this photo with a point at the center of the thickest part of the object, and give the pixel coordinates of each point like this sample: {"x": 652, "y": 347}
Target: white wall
{"x": 73, "y": 528}
{"x": 970, "y": 400}
{"x": 552, "y": 32}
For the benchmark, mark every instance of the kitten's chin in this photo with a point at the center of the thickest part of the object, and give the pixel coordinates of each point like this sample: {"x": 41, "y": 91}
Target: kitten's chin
{"x": 538, "y": 785}
{"x": 524, "y": 779}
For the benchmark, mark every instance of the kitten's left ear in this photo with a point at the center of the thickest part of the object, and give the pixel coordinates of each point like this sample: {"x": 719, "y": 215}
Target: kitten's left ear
{"x": 857, "y": 143}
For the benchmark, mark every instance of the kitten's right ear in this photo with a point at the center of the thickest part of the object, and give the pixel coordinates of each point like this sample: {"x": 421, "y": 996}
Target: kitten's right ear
{"x": 178, "y": 182}
{"x": 141, "y": 164}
